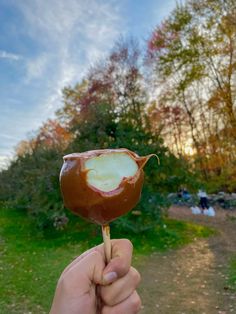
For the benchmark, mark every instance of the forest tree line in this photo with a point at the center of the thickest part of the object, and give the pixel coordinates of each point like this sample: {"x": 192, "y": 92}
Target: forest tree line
{"x": 176, "y": 99}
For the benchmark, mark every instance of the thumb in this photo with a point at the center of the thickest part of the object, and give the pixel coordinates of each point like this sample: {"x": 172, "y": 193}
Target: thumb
{"x": 87, "y": 271}
{"x": 120, "y": 262}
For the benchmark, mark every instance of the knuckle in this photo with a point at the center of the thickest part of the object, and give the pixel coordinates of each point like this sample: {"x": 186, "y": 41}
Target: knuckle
{"x": 122, "y": 266}
{"x": 135, "y": 276}
{"x": 107, "y": 296}
{"x": 128, "y": 243}
{"x": 135, "y": 302}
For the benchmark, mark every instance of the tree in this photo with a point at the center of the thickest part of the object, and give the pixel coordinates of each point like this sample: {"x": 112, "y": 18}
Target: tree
{"x": 193, "y": 53}
{"x": 108, "y": 108}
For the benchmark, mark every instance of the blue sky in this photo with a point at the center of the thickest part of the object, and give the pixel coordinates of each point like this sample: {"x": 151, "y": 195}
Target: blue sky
{"x": 48, "y": 44}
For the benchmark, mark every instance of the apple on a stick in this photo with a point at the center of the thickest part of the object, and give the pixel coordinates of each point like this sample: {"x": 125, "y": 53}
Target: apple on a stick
{"x": 101, "y": 185}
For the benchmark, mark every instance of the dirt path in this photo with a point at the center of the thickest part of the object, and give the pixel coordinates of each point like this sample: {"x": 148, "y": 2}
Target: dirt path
{"x": 193, "y": 279}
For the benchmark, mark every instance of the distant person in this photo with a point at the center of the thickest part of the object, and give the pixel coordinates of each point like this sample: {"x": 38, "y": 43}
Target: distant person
{"x": 203, "y": 200}
{"x": 179, "y": 194}
{"x": 186, "y": 195}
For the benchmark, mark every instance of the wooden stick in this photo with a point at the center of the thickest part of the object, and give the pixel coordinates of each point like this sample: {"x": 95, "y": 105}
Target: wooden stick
{"x": 107, "y": 242}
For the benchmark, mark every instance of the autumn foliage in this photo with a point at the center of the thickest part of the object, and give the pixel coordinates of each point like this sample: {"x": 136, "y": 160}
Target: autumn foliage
{"x": 179, "y": 101}
{"x": 193, "y": 57}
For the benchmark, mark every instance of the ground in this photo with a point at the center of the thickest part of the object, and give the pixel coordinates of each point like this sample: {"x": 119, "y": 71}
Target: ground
{"x": 192, "y": 279}
{"x": 189, "y": 278}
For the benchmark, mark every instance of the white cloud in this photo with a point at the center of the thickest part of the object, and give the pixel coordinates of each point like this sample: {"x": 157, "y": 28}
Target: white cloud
{"x": 9, "y": 137}
{"x": 56, "y": 21}
{"x": 36, "y": 68}
{"x": 75, "y": 33}
{"x": 4, "y": 161}
{"x": 5, "y": 158}
{"x": 67, "y": 36}
{"x": 70, "y": 34}
{"x": 9, "y": 55}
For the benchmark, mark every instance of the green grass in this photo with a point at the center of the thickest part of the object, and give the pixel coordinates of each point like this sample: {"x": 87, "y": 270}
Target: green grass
{"x": 232, "y": 274}
{"x": 31, "y": 261}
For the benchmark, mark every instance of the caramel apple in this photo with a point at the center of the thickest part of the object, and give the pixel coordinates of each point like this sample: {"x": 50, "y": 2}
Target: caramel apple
{"x": 101, "y": 185}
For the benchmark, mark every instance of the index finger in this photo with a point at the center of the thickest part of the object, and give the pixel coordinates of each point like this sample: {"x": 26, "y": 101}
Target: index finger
{"x": 121, "y": 257}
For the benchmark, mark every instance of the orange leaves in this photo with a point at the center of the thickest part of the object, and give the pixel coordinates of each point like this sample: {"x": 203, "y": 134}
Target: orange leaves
{"x": 25, "y": 147}
{"x": 52, "y": 134}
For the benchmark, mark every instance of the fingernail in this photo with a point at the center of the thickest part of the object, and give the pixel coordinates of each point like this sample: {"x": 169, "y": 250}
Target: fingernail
{"x": 110, "y": 277}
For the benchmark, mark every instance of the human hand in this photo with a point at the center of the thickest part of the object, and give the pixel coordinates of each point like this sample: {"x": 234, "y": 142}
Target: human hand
{"x": 88, "y": 286}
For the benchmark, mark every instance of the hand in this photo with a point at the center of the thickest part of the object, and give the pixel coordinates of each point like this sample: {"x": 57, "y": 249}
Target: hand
{"x": 88, "y": 286}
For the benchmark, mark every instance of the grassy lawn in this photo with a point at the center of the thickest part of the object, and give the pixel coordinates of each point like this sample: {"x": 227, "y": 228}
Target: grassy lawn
{"x": 31, "y": 262}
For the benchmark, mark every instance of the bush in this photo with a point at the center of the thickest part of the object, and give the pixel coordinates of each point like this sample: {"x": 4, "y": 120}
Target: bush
{"x": 106, "y": 110}
{"x": 32, "y": 181}
{"x": 147, "y": 215}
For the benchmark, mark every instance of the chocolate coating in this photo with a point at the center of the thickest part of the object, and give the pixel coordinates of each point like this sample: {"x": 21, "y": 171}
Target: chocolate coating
{"x": 92, "y": 204}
